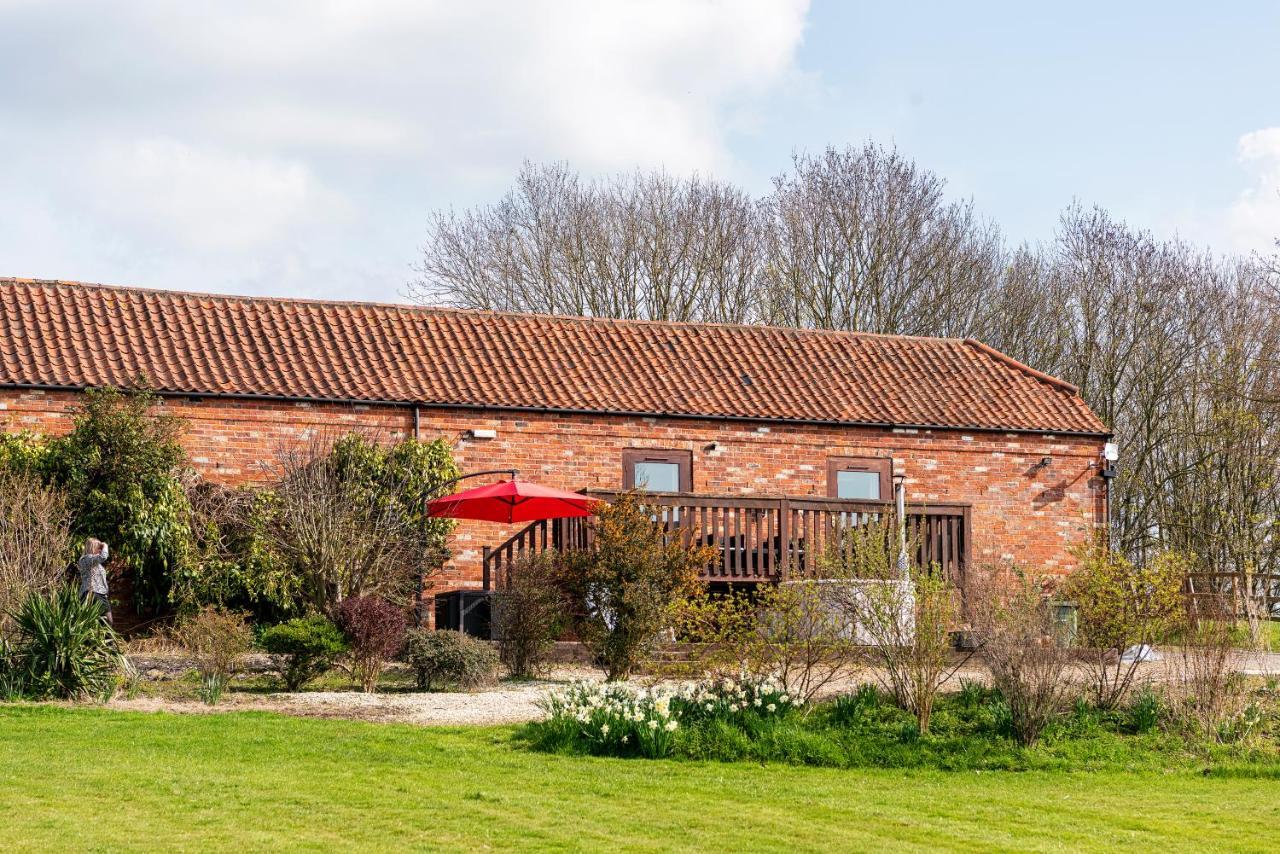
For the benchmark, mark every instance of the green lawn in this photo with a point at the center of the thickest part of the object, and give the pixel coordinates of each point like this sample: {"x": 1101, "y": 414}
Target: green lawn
{"x": 95, "y": 779}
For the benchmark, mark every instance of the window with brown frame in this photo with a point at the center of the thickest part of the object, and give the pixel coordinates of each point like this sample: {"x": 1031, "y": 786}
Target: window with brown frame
{"x": 864, "y": 478}
{"x": 657, "y": 471}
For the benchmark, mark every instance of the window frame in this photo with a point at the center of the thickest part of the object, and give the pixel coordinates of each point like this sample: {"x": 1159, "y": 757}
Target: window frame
{"x": 880, "y": 465}
{"x": 682, "y": 459}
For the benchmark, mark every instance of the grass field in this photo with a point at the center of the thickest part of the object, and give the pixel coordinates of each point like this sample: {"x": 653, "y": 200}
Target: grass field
{"x": 86, "y": 779}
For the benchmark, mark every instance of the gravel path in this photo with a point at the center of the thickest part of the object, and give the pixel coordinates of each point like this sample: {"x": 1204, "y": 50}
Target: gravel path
{"x": 506, "y": 703}
{"x": 503, "y": 704}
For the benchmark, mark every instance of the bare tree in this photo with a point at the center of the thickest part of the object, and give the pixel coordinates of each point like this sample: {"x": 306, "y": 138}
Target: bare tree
{"x": 35, "y": 539}
{"x": 862, "y": 239}
{"x": 645, "y": 245}
{"x": 1018, "y": 638}
{"x": 343, "y": 539}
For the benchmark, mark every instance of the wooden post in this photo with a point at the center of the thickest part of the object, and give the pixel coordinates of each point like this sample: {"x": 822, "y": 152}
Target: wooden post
{"x": 784, "y": 539}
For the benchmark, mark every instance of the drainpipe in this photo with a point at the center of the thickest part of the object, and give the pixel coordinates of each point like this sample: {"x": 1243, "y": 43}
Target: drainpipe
{"x": 416, "y": 418}
{"x": 900, "y": 495}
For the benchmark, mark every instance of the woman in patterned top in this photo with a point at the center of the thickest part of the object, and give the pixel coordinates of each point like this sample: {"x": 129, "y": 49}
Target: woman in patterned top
{"x": 93, "y": 575}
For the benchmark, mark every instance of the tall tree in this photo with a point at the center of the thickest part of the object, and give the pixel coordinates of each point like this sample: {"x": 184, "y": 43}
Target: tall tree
{"x": 645, "y": 245}
{"x": 864, "y": 240}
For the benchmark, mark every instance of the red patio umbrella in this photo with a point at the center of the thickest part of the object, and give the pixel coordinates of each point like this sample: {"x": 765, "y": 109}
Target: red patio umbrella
{"x": 512, "y": 501}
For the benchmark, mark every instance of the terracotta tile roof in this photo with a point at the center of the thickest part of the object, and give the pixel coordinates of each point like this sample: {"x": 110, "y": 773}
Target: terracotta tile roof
{"x": 62, "y": 334}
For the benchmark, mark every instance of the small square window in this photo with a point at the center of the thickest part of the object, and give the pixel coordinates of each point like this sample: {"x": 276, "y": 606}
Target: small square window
{"x": 859, "y": 478}
{"x": 657, "y": 471}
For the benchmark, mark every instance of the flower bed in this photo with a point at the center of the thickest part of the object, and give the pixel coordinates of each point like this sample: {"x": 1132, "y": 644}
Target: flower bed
{"x": 757, "y": 721}
{"x": 619, "y": 720}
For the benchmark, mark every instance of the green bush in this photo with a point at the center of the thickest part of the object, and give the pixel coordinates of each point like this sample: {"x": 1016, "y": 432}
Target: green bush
{"x": 450, "y": 659}
{"x": 376, "y": 497}
{"x": 1146, "y": 711}
{"x": 121, "y": 467}
{"x": 1120, "y": 605}
{"x": 63, "y": 649}
{"x": 310, "y": 646}
{"x": 10, "y": 673}
{"x": 623, "y": 590}
{"x": 235, "y": 563}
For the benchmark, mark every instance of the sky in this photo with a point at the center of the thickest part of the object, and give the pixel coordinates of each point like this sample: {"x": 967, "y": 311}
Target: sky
{"x": 298, "y": 148}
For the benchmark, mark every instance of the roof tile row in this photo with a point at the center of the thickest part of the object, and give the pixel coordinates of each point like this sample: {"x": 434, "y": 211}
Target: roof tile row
{"x": 65, "y": 334}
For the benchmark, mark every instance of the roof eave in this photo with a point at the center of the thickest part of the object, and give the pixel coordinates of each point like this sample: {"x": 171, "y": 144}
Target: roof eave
{"x": 551, "y": 410}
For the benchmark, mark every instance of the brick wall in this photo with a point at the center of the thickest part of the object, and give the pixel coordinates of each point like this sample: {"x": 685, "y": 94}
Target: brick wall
{"x": 1032, "y": 516}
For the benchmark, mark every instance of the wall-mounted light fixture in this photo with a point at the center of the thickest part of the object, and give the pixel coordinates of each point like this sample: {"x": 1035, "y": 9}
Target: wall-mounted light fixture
{"x": 482, "y": 433}
{"x": 714, "y": 446}
{"x": 1044, "y": 463}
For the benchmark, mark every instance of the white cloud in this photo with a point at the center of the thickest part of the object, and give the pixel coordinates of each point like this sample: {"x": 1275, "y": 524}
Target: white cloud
{"x": 1254, "y": 218}
{"x": 169, "y": 192}
{"x": 301, "y": 145}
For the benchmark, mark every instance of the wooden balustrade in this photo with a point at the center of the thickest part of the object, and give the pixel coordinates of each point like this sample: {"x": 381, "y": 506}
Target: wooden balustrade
{"x": 758, "y": 538}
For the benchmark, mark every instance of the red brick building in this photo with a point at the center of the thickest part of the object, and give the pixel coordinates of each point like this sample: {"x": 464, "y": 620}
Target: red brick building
{"x": 769, "y": 423}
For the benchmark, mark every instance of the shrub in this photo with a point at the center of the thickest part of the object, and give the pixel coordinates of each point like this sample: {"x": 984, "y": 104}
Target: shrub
{"x": 621, "y": 590}
{"x": 1122, "y": 606}
{"x": 215, "y": 639}
{"x": 718, "y": 629}
{"x": 235, "y": 563}
{"x": 351, "y": 517}
{"x": 528, "y": 613}
{"x": 1145, "y": 711}
{"x": 1208, "y": 692}
{"x": 310, "y": 646}
{"x": 1017, "y": 635}
{"x": 799, "y": 638}
{"x": 375, "y": 632}
{"x": 121, "y": 468}
{"x": 35, "y": 539}
{"x": 902, "y": 615}
{"x": 10, "y": 673}
{"x": 63, "y": 648}
{"x": 447, "y": 658}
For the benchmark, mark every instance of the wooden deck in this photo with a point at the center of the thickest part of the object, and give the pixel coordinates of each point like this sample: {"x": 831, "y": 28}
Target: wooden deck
{"x": 759, "y": 538}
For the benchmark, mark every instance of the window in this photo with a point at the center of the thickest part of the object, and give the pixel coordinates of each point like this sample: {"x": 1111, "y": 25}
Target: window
{"x": 658, "y": 471}
{"x": 864, "y": 478}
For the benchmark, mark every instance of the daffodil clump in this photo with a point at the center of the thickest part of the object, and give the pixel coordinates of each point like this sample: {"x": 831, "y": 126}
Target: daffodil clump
{"x": 735, "y": 697}
{"x": 614, "y": 718}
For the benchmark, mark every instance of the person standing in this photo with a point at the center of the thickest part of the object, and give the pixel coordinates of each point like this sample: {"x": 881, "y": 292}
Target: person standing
{"x": 93, "y": 575}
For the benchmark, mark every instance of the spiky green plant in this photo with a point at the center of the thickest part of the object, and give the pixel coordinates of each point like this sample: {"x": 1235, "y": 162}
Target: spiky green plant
{"x": 64, "y": 649}
{"x": 10, "y": 674}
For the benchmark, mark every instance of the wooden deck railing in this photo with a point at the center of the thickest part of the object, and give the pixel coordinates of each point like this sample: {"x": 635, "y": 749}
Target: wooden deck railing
{"x": 759, "y": 538}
